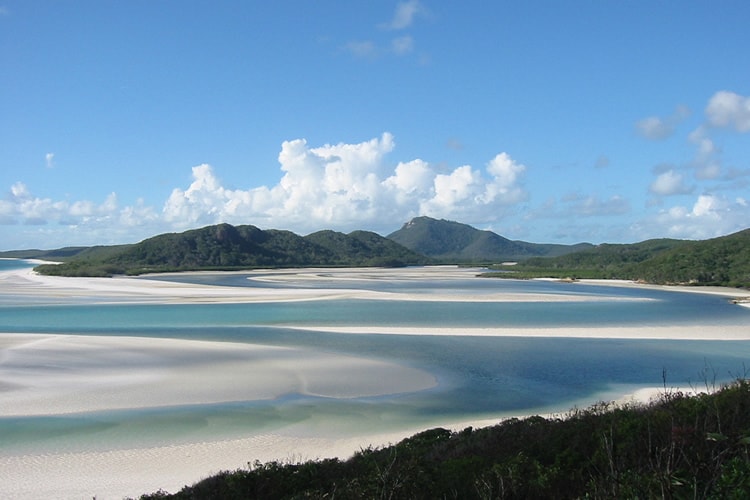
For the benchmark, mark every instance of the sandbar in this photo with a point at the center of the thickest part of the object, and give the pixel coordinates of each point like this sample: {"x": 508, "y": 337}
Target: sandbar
{"x": 62, "y": 374}
{"x": 297, "y": 286}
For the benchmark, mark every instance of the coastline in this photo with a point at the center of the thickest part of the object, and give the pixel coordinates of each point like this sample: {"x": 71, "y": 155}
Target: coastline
{"x": 170, "y": 364}
{"x": 26, "y": 282}
{"x": 131, "y": 472}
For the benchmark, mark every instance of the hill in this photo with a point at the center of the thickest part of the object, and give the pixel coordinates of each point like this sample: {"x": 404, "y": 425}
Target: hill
{"x": 63, "y": 254}
{"x": 454, "y": 242}
{"x": 723, "y": 261}
{"x": 676, "y": 447}
{"x": 225, "y": 247}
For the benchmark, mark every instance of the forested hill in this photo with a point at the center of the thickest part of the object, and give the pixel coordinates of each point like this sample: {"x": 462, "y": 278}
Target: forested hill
{"x": 225, "y": 247}
{"x": 721, "y": 261}
{"x": 454, "y": 242}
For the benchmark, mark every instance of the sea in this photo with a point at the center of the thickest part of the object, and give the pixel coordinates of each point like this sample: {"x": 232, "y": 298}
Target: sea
{"x": 478, "y": 377}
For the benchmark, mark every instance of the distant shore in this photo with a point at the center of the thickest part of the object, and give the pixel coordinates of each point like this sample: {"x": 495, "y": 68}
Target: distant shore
{"x": 26, "y": 282}
{"x": 87, "y": 367}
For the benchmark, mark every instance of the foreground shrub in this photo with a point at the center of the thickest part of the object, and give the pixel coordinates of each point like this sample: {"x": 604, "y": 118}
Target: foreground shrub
{"x": 678, "y": 446}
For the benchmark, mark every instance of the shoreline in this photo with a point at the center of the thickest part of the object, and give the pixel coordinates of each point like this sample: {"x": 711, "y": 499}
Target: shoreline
{"x": 131, "y": 472}
{"x": 124, "y": 289}
{"x": 89, "y": 365}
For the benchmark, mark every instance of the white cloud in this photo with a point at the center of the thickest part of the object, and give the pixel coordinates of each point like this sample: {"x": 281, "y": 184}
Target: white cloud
{"x": 19, "y": 191}
{"x": 656, "y": 128}
{"x": 709, "y": 216}
{"x": 404, "y": 15}
{"x": 724, "y": 110}
{"x": 348, "y": 186}
{"x": 21, "y": 206}
{"x": 49, "y": 160}
{"x": 669, "y": 183}
{"x": 727, "y": 109}
{"x": 354, "y": 186}
{"x": 411, "y": 178}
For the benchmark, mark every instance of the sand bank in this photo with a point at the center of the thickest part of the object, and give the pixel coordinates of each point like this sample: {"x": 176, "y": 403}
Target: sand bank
{"x": 59, "y": 374}
{"x": 297, "y": 284}
{"x": 683, "y": 332}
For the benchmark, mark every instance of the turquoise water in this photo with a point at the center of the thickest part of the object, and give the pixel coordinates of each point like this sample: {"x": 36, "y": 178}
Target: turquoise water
{"x": 477, "y": 377}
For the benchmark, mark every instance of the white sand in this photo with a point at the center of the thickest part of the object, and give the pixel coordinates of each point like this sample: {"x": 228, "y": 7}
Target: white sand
{"x": 684, "y": 332}
{"x": 22, "y": 283}
{"x": 59, "y": 374}
{"x": 56, "y": 374}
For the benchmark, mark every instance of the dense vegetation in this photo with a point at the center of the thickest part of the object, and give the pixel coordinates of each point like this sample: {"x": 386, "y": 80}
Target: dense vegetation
{"x": 721, "y": 261}
{"x": 676, "y": 447}
{"x": 225, "y": 247}
{"x": 458, "y": 243}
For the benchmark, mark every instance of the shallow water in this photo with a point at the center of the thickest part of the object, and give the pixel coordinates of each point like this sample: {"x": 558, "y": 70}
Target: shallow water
{"x": 478, "y": 377}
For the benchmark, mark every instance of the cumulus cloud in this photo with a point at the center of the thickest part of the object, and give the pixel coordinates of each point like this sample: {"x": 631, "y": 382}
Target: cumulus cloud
{"x": 709, "y": 216}
{"x": 658, "y": 128}
{"x": 49, "y": 160}
{"x": 669, "y": 183}
{"x": 727, "y": 109}
{"x": 21, "y": 206}
{"x": 348, "y": 186}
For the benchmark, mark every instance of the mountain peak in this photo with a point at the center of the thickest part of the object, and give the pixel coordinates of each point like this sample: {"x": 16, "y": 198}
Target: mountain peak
{"x": 454, "y": 241}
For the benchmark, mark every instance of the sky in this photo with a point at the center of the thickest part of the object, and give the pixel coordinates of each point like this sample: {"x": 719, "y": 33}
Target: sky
{"x": 543, "y": 121}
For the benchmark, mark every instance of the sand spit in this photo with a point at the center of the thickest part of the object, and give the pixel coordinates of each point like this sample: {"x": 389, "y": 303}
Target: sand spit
{"x": 684, "y": 332}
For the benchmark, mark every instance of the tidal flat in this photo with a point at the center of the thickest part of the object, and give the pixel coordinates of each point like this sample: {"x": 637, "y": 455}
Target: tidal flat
{"x": 121, "y": 386}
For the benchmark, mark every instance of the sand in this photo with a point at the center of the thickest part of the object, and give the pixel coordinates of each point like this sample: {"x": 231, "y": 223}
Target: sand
{"x": 60, "y": 374}
{"x": 63, "y": 374}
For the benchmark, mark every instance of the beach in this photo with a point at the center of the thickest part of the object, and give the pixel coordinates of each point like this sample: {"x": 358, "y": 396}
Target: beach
{"x": 52, "y": 374}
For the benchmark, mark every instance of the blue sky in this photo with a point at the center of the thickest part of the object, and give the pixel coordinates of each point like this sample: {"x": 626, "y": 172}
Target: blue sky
{"x": 543, "y": 121}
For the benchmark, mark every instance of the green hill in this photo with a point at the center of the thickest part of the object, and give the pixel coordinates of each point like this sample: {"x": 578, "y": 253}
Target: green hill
{"x": 224, "y": 247}
{"x": 453, "y": 242}
{"x": 723, "y": 261}
{"x": 676, "y": 447}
